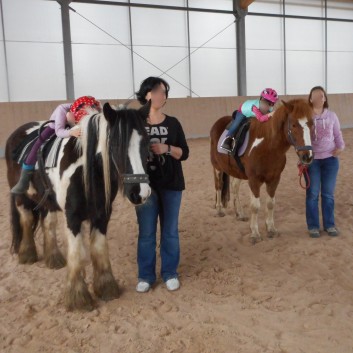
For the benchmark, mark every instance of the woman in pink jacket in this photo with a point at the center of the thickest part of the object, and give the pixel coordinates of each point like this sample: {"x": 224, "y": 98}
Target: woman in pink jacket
{"x": 327, "y": 143}
{"x": 64, "y": 115}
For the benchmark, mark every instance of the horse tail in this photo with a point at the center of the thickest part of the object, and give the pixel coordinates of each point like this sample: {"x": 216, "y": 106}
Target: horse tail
{"x": 225, "y": 192}
{"x": 16, "y": 227}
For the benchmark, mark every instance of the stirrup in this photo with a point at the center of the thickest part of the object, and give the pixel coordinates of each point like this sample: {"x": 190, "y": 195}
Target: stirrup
{"x": 232, "y": 144}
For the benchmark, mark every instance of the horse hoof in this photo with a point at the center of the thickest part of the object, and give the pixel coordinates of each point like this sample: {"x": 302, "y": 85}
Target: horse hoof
{"x": 55, "y": 260}
{"x": 105, "y": 286}
{"x": 28, "y": 256}
{"x": 242, "y": 218}
{"x": 77, "y": 297}
{"x": 272, "y": 234}
{"x": 255, "y": 239}
{"x": 220, "y": 214}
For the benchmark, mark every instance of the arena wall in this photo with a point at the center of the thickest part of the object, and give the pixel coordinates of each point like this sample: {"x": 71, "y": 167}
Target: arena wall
{"x": 196, "y": 114}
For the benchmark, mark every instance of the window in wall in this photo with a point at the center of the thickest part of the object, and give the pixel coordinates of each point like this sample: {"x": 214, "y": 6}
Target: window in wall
{"x": 34, "y": 50}
{"x": 213, "y": 67}
{"x": 264, "y": 54}
{"x": 211, "y": 4}
{"x": 4, "y": 96}
{"x": 314, "y": 8}
{"x": 102, "y": 65}
{"x": 160, "y": 37}
{"x": 339, "y": 57}
{"x": 267, "y": 6}
{"x": 340, "y": 9}
{"x": 305, "y": 56}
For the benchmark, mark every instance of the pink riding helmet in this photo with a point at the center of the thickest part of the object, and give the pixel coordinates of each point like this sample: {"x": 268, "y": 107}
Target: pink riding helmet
{"x": 270, "y": 95}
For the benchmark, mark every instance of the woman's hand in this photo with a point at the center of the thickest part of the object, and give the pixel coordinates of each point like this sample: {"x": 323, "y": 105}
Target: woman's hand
{"x": 75, "y": 132}
{"x": 336, "y": 152}
{"x": 159, "y": 148}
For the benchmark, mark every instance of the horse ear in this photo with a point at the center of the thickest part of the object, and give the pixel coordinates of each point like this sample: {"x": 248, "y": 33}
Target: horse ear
{"x": 289, "y": 107}
{"x": 145, "y": 110}
{"x": 109, "y": 113}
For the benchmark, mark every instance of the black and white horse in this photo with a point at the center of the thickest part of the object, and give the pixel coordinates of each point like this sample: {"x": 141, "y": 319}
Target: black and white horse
{"x": 111, "y": 155}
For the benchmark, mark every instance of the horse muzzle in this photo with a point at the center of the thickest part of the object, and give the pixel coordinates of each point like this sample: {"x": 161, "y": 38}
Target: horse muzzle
{"x": 305, "y": 154}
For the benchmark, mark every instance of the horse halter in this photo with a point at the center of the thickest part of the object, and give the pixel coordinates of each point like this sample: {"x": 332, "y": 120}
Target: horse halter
{"x": 131, "y": 178}
{"x": 292, "y": 140}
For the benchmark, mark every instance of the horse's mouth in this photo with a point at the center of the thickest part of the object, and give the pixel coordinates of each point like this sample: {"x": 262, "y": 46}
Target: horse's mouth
{"x": 305, "y": 159}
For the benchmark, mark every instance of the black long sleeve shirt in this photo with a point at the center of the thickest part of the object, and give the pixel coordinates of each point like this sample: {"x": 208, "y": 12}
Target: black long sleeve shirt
{"x": 166, "y": 172}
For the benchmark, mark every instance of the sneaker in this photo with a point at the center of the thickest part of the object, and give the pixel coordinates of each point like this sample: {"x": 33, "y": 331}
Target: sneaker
{"x": 332, "y": 232}
{"x": 173, "y": 284}
{"x": 143, "y": 287}
{"x": 314, "y": 233}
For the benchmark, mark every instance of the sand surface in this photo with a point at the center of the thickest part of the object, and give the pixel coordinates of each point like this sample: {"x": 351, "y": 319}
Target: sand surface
{"x": 289, "y": 294}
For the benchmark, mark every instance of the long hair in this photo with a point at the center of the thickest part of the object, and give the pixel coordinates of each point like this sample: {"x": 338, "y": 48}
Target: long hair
{"x": 318, "y": 88}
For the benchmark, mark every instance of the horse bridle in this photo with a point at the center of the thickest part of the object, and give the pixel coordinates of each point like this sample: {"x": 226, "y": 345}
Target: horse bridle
{"x": 292, "y": 139}
{"x": 131, "y": 178}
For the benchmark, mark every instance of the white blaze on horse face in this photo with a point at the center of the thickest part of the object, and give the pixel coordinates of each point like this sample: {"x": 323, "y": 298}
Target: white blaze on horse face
{"x": 306, "y": 133}
{"x": 256, "y": 143}
{"x": 136, "y": 162}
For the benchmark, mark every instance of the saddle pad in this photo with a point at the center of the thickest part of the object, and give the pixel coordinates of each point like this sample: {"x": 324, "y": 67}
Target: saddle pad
{"x": 242, "y": 148}
{"x": 50, "y": 152}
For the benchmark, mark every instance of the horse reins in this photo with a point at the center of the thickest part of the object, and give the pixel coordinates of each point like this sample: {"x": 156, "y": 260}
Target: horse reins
{"x": 303, "y": 170}
{"x": 302, "y": 167}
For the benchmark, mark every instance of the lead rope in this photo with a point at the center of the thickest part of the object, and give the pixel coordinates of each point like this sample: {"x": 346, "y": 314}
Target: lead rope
{"x": 303, "y": 170}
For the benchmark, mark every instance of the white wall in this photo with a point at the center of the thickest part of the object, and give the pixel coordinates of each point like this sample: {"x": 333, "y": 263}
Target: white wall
{"x": 34, "y": 50}
{"x": 103, "y": 65}
{"x": 4, "y": 96}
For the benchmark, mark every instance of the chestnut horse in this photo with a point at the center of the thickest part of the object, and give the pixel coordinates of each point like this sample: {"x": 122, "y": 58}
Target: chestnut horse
{"x": 264, "y": 159}
{"x": 111, "y": 155}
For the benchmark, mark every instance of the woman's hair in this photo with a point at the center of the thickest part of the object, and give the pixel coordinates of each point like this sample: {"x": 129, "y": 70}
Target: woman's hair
{"x": 318, "y": 88}
{"x": 148, "y": 85}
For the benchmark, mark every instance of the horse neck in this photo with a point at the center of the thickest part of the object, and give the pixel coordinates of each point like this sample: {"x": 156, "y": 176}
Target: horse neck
{"x": 277, "y": 131}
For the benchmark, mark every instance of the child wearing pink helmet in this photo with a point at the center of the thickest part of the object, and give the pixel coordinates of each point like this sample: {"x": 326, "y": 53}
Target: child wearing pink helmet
{"x": 65, "y": 114}
{"x": 261, "y": 108}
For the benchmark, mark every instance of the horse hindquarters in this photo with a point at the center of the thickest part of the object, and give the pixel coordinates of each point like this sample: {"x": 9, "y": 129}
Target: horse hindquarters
{"x": 24, "y": 222}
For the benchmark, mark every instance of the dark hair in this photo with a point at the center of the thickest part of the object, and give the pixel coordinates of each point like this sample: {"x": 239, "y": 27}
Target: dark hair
{"x": 318, "y": 88}
{"x": 148, "y": 85}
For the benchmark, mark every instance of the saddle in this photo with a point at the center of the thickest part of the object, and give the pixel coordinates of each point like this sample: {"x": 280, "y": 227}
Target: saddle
{"x": 49, "y": 150}
{"x": 241, "y": 142}
{"x": 48, "y": 155}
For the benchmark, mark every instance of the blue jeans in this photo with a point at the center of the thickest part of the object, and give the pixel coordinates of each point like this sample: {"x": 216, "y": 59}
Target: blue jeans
{"x": 323, "y": 174}
{"x": 166, "y": 205}
{"x": 239, "y": 117}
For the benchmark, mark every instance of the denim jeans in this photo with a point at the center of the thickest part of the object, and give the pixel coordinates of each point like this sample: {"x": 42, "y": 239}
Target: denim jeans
{"x": 323, "y": 174}
{"x": 239, "y": 117}
{"x": 166, "y": 205}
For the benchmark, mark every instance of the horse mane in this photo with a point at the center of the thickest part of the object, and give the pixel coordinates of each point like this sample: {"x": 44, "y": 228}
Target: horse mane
{"x": 95, "y": 138}
{"x": 100, "y": 138}
{"x": 275, "y": 124}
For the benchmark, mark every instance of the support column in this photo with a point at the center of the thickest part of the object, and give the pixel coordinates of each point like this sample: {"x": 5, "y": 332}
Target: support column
{"x": 5, "y": 54}
{"x": 240, "y": 13}
{"x": 69, "y": 72}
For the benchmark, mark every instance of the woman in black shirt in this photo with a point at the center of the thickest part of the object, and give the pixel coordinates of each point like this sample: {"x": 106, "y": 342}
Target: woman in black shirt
{"x": 168, "y": 148}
